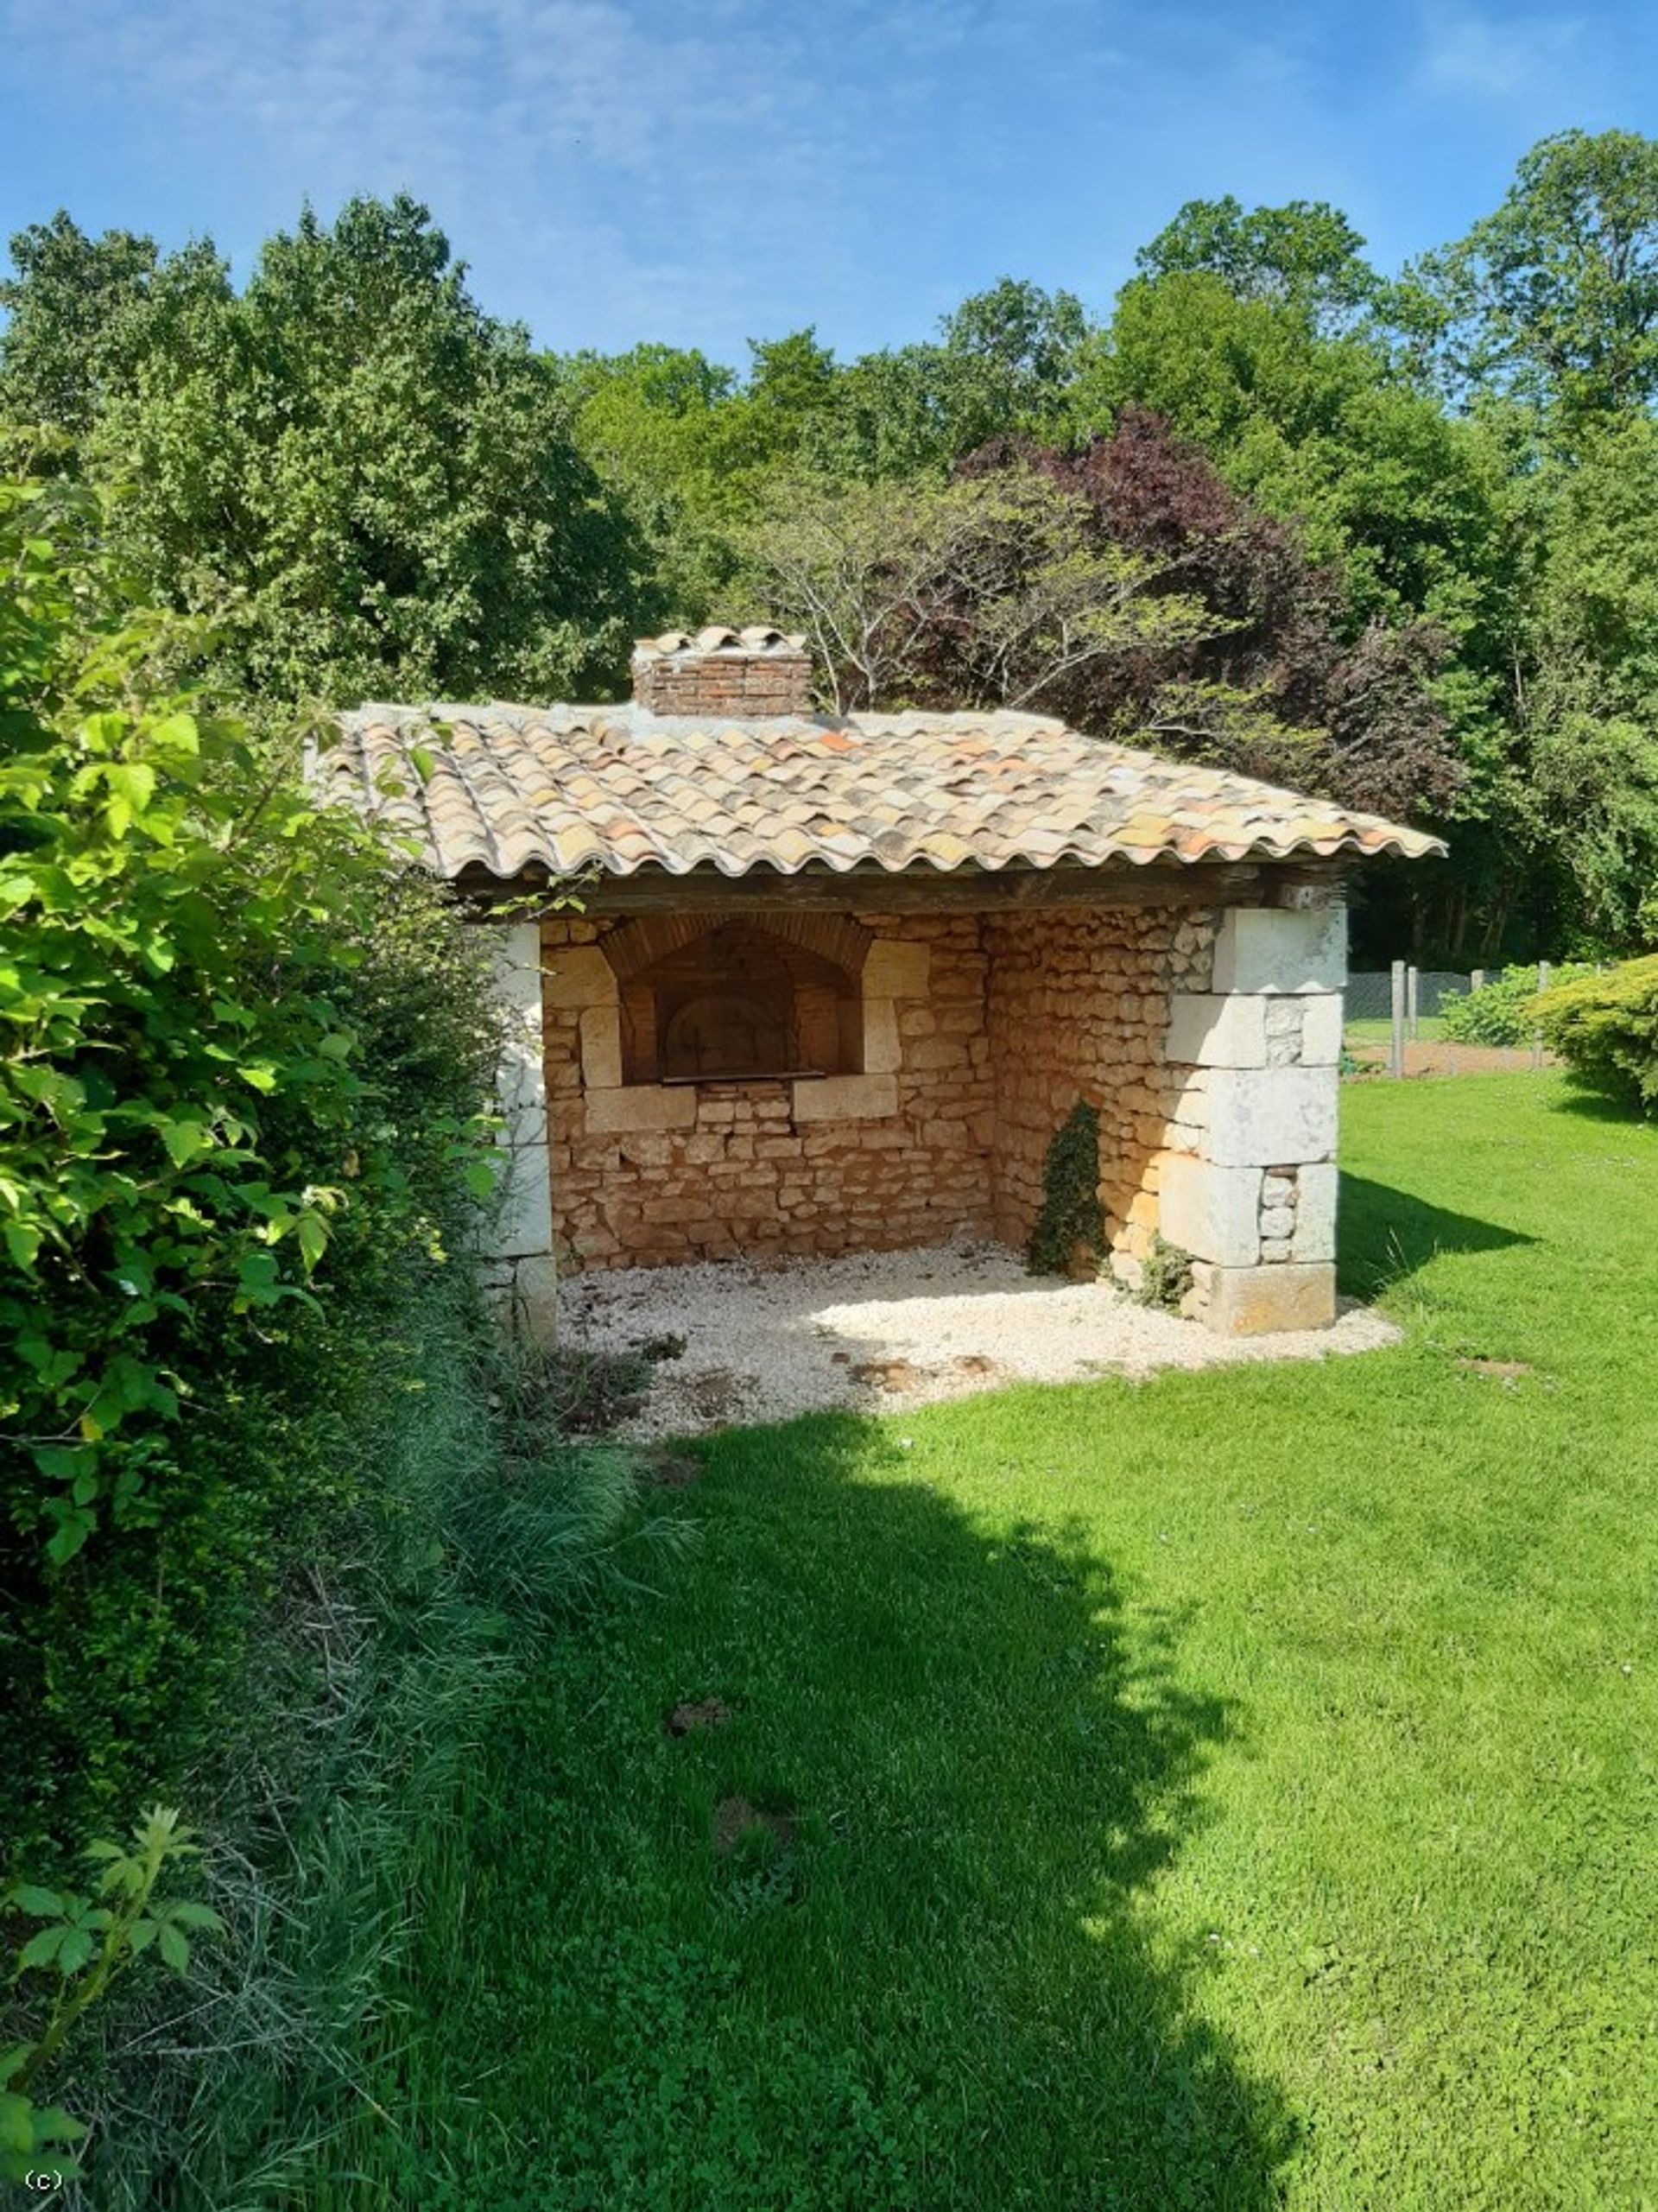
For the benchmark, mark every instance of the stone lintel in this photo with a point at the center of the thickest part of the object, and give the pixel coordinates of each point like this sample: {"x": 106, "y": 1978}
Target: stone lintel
{"x": 641, "y": 1106}
{"x": 847, "y": 1097}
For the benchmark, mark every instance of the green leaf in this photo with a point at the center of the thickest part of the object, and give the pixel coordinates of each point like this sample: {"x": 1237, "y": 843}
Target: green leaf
{"x": 313, "y": 1238}
{"x": 191, "y": 1915}
{"x": 54, "y": 2125}
{"x": 172, "y": 1947}
{"x": 16, "y": 2123}
{"x": 185, "y": 1141}
{"x": 39, "y": 1904}
{"x": 74, "y": 1951}
{"x": 22, "y": 1242}
{"x": 40, "y": 1950}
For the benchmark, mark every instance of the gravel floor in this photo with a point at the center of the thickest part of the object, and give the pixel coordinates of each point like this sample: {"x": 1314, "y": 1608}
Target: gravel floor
{"x": 879, "y": 1331}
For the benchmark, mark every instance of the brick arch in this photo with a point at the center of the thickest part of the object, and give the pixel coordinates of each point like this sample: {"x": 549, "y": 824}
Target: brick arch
{"x": 636, "y": 945}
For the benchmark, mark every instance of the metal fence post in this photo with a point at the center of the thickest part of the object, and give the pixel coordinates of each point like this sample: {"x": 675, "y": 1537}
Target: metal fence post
{"x": 1396, "y": 1055}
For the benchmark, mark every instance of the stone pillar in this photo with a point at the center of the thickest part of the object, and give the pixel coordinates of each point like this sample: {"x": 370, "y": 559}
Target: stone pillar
{"x": 1254, "y": 1202}
{"x": 517, "y": 1243}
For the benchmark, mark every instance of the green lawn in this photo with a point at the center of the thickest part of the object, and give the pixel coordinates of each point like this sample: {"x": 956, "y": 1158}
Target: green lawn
{"x": 1430, "y": 1029}
{"x": 1231, "y": 1791}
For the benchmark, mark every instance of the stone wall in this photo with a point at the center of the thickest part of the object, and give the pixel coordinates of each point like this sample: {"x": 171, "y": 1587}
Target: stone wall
{"x": 1079, "y": 1005}
{"x": 1209, "y": 1044}
{"x": 890, "y": 1155}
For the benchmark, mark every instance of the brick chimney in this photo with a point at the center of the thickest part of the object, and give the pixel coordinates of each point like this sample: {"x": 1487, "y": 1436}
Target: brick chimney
{"x": 740, "y": 672}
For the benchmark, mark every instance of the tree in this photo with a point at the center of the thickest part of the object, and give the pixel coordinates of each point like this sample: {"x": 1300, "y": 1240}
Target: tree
{"x": 1122, "y": 586}
{"x": 369, "y": 484}
{"x": 72, "y": 303}
{"x": 985, "y": 591}
{"x": 1273, "y": 681}
{"x": 1554, "y": 297}
{"x": 1306, "y": 255}
{"x": 1587, "y": 764}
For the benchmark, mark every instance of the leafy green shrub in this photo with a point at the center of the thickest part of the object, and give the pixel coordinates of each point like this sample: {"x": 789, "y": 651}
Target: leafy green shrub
{"x": 245, "y": 1062}
{"x": 82, "y": 1947}
{"x": 1165, "y": 1276}
{"x": 1501, "y": 1011}
{"x": 1605, "y": 1028}
{"x": 1071, "y": 1227}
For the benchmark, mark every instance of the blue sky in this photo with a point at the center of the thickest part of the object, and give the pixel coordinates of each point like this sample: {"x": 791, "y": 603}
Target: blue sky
{"x": 615, "y": 169}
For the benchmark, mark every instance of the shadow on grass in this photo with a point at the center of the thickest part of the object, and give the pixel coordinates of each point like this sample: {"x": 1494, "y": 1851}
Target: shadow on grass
{"x": 1599, "y": 1105}
{"x": 1384, "y": 1235}
{"x": 942, "y": 1990}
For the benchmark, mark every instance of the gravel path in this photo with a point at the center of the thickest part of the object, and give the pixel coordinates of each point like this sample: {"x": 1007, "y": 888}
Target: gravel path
{"x": 879, "y": 1331}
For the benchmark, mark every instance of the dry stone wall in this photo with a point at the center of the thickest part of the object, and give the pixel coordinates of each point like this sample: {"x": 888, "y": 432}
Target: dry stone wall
{"x": 892, "y": 1154}
{"x": 1207, "y": 1042}
{"x": 1079, "y": 1005}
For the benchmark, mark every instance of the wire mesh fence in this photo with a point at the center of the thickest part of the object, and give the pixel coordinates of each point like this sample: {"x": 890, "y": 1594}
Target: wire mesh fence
{"x": 1369, "y": 998}
{"x": 1391, "y": 1021}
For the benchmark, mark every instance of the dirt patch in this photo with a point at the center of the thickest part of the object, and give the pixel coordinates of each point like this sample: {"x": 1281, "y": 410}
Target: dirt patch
{"x": 736, "y": 1819}
{"x": 1443, "y": 1059}
{"x": 888, "y": 1374}
{"x": 672, "y": 1470}
{"x": 693, "y": 1717}
{"x": 1507, "y": 1370}
{"x": 715, "y": 1395}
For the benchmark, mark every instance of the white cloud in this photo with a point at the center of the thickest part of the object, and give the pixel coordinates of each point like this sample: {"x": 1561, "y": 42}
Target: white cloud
{"x": 1498, "y": 58}
{"x": 689, "y": 167}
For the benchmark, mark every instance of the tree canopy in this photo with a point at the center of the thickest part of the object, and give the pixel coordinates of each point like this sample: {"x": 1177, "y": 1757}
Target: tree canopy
{"x": 1386, "y": 532}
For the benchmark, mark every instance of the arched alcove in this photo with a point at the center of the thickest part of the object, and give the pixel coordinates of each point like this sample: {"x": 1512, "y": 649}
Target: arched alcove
{"x": 738, "y": 1000}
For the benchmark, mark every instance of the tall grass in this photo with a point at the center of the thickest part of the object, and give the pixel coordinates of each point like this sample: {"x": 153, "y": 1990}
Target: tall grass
{"x": 377, "y": 1680}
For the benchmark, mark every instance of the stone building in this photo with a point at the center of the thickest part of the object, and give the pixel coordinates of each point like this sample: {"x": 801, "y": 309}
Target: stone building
{"x": 785, "y": 985}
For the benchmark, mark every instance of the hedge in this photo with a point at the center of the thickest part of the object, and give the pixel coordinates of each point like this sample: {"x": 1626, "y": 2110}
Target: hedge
{"x": 1605, "y": 1028}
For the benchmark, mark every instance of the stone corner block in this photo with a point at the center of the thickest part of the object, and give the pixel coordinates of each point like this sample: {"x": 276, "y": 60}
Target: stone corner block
{"x": 521, "y": 1220}
{"x": 847, "y": 1097}
{"x": 578, "y": 976}
{"x": 1207, "y": 1030}
{"x": 526, "y": 1296}
{"x": 601, "y": 1048}
{"x": 1266, "y": 1117}
{"x": 896, "y": 968}
{"x": 1276, "y": 950}
{"x": 1261, "y": 1301}
{"x": 1211, "y": 1212}
{"x": 638, "y": 1107}
{"x": 1322, "y": 1025}
{"x": 1315, "y": 1236}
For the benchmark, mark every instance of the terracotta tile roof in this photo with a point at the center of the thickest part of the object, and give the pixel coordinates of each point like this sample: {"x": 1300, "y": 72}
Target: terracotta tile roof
{"x": 516, "y": 788}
